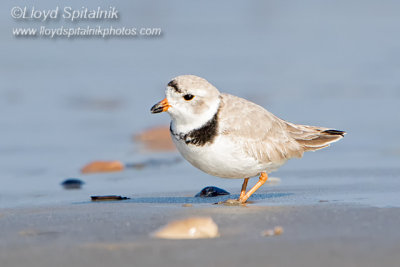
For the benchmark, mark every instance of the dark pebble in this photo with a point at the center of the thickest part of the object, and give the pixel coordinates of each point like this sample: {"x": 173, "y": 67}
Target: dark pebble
{"x": 72, "y": 183}
{"x": 211, "y": 191}
{"x": 108, "y": 198}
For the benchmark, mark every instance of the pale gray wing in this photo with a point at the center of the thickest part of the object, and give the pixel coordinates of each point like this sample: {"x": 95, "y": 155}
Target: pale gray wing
{"x": 266, "y": 137}
{"x": 258, "y": 132}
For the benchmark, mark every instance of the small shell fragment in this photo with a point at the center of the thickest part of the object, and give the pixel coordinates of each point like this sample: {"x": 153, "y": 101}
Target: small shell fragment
{"x": 278, "y": 230}
{"x": 103, "y": 166}
{"x": 273, "y": 181}
{"x": 269, "y": 232}
{"x": 190, "y": 228}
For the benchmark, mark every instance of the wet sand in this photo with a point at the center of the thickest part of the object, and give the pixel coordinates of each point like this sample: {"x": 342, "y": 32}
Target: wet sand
{"x": 117, "y": 234}
{"x": 71, "y": 102}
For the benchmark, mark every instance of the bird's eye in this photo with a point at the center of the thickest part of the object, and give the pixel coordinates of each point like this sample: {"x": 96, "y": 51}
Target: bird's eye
{"x": 188, "y": 97}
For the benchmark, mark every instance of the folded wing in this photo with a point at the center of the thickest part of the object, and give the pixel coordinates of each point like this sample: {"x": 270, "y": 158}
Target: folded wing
{"x": 267, "y": 138}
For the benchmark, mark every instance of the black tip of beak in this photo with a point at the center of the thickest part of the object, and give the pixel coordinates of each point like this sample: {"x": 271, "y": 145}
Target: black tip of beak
{"x": 157, "y": 108}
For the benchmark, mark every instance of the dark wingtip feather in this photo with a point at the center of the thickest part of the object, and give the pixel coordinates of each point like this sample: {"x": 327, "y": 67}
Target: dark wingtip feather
{"x": 334, "y": 132}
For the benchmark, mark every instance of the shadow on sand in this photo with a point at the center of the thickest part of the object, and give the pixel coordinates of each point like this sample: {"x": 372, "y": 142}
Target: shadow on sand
{"x": 198, "y": 200}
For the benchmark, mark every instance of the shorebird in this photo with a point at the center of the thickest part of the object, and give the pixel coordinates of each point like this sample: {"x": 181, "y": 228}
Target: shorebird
{"x": 231, "y": 137}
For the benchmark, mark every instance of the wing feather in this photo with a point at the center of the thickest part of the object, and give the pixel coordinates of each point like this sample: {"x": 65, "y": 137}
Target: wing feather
{"x": 266, "y": 137}
{"x": 258, "y": 132}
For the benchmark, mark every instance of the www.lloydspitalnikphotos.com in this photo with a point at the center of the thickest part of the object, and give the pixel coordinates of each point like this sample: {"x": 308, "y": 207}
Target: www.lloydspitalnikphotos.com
{"x": 67, "y": 13}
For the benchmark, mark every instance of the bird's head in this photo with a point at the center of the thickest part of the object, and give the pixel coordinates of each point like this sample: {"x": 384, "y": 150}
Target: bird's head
{"x": 190, "y": 100}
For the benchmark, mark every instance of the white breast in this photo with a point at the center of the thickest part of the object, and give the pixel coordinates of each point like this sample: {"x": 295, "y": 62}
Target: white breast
{"x": 222, "y": 158}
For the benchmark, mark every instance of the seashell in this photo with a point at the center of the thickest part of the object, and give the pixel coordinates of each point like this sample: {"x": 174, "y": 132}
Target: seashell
{"x": 190, "y": 228}
{"x": 278, "y": 230}
{"x": 103, "y": 166}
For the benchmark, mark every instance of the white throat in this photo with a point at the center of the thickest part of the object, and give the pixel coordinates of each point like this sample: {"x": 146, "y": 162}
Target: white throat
{"x": 188, "y": 122}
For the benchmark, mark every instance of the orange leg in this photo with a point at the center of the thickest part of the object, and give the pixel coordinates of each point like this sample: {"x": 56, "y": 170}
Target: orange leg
{"x": 244, "y": 186}
{"x": 243, "y": 197}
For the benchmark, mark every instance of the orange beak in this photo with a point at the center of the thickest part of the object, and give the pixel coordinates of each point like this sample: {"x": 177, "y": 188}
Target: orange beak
{"x": 161, "y": 106}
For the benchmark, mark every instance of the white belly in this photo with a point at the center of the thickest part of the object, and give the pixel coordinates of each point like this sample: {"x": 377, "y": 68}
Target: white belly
{"x": 222, "y": 158}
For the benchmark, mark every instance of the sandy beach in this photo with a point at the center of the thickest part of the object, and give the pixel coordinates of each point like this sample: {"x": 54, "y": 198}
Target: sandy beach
{"x": 323, "y": 225}
{"x": 67, "y": 102}
{"x": 117, "y": 234}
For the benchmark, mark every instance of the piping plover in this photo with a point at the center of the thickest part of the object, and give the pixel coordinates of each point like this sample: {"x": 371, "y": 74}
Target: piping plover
{"x": 230, "y": 137}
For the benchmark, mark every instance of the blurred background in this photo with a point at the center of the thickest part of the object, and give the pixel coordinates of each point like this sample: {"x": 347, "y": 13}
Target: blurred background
{"x": 66, "y": 102}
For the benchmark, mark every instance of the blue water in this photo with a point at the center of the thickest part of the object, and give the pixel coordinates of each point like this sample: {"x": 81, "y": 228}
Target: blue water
{"x": 64, "y": 103}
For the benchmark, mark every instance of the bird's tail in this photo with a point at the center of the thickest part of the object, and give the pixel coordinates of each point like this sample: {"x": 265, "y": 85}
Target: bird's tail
{"x": 312, "y": 138}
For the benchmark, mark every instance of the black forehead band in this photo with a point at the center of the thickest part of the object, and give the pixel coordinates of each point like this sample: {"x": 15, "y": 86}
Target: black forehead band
{"x": 174, "y": 85}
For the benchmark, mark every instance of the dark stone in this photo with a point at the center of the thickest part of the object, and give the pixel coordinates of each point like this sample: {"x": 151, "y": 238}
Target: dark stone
{"x": 211, "y": 191}
{"x": 72, "y": 183}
